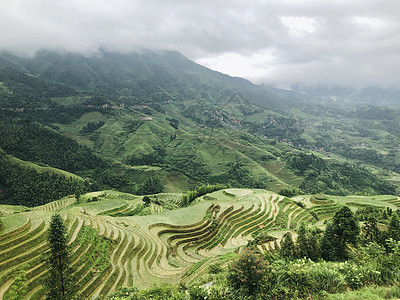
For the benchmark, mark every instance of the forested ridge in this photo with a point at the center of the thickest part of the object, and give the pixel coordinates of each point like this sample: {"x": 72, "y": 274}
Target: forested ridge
{"x": 33, "y": 142}
{"x": 26, "y": 186}
{"x": 336, "y": 178}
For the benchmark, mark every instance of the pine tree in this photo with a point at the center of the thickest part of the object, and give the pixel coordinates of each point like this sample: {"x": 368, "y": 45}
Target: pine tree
{"x": 346, "y": 225}
{"x": 307, "y": 243}
{"x": 302, "y": 243}
{"x": 330, "y": 244}
{"x": 342, "y": 231}
{"x": 78, "y": 195}
{"x": 394, "y": 227}
{"x": 59, "y": 276}
{"x": 288, "y": 249}
{"x": 372, "y": 232}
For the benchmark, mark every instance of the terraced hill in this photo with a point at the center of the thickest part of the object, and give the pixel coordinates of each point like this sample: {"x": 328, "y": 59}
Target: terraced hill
{"x": 111, "y": 249}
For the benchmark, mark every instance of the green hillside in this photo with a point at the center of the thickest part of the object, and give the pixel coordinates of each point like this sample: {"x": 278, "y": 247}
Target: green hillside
{"x": 118, "y": 119}
{"x": 125, "y": 148}
{"x": 111, "y": 249}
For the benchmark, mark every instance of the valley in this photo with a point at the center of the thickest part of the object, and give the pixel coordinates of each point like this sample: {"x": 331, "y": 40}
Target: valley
{"x": 166, "y": 174}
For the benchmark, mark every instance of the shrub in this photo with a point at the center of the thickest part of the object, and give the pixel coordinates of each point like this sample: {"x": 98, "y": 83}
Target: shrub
{"x": 215, "y": 269}
{"x": 302, "y": 278}
{"x": 146, "y": 200}
{"x": 200, "y": 191}
{"x": 248, "y": 271}
{"x": 290, "y": 192}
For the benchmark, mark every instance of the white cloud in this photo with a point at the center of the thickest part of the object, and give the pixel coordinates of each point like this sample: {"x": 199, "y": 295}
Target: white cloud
{"x": 299, "y": 26}
{"x": 275, "y": 41}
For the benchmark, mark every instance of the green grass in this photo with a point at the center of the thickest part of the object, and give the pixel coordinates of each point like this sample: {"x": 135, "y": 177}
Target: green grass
{"x": 368, "y": 293}
{"x": 12, "y": 222}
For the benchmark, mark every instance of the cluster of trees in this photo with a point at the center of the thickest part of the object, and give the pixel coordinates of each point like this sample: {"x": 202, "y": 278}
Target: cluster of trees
{"x": 29, "y": 91}
{"x": 33, "y": 142}
{"x": 342, "y": 235}
{"x": 26, "y": 186}
{"x": 185, "y": 162}
{"x": 127, "y": 180}
{"x": 90, "y": 127}
{"x": 336, "y": 178}
{"x": 200, "y": 191}
{"x": 154, "y": 158}
{"x": 380, "y": 213}
{"x": 307, "y": 244}
{"x": 151, "y": 185}
{"x": 374, "y": 113}
{"x": 281, "y": 128}
{"x": 238, "y": 175}
{"x": 173, "y": 122}
{"x": 190, "y": 165}
{"x": 370, "y": 156}
{"x": 290, "y": 192}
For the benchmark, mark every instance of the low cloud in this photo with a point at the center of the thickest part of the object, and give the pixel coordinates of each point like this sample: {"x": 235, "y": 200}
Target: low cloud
{"x": 280, "y": 42}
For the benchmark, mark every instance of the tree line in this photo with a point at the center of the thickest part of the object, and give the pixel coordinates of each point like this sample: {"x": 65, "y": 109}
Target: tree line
{"x": 335, "y": 178}
{"x": 28, "y": 187}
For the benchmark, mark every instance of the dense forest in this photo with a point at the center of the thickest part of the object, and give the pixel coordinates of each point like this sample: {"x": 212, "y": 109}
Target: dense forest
{"x": 26, "y": 186}
{"x": 33, "y": 142}
{"x": 336, "y": 178}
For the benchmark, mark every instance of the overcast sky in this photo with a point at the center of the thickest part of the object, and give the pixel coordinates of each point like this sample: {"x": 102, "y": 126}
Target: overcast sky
{"x": 278, "y": 42}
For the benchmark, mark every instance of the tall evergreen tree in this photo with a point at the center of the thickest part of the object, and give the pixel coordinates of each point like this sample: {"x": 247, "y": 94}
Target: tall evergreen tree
{"x": 394, "y": 227}
{"x": 372, "y": 232}
{"x": 59, "y": 276}
{"x": 302, "y": 243}
{"x": 307, "y": 243}
{"x": 342, "y": 231}
{"x": 330, "y": 244}
{"x": 288, "y": 248}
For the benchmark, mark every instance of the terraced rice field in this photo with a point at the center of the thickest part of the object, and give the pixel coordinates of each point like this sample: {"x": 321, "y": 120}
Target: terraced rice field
{"x": 109, "y": 251}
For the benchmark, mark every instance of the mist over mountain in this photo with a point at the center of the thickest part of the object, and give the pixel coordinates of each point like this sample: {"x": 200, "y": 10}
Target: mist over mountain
{"x": 353, "y": 97}
{"x": 138, "y": 76}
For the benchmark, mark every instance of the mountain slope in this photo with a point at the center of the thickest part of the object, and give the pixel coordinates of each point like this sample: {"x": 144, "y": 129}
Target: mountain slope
{"x": 160, "y": 115}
